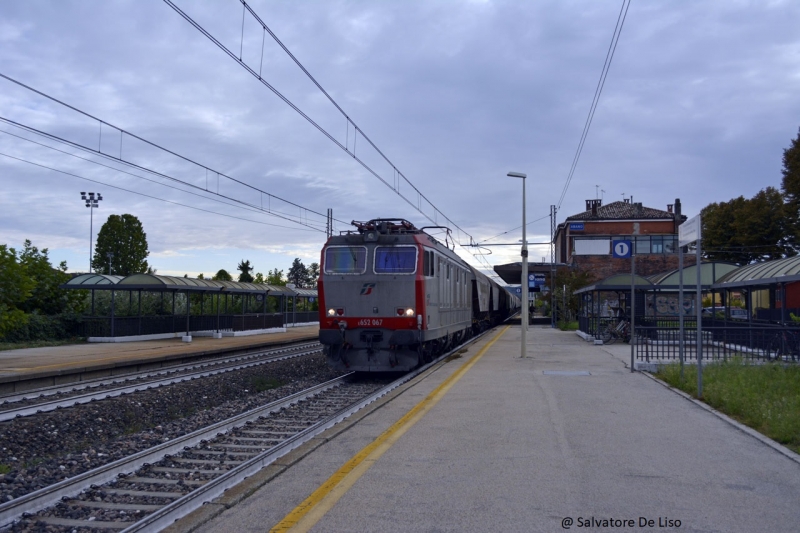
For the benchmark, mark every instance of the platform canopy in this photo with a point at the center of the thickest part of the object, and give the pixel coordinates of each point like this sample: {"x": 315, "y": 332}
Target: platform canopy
{"x": 710, "y": 273}
{"x": 511, "y": 273}
{"x": 618, "y": 282}
{"x": 156, "y": 283}
{"x": 305, "y": 293}
{"x": 767, "y": 273}
{"x": 88, "y": 281}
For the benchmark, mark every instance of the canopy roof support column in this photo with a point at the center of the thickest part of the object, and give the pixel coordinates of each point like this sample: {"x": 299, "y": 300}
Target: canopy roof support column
{"x": 188, "y": 306}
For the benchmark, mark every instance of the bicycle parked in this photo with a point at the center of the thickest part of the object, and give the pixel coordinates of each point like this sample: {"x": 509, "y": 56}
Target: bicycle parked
{"x": 784, "y": 346}
{"x": 622, "y": 330}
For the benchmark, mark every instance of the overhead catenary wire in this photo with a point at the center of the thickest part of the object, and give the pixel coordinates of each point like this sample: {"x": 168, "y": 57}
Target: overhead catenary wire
{"x": 623, "y": 13}
{"x": 598, "y": 91}
{"x": 143, "y": 194}
{"x": 357, "y": 130}
{"x": 149, "y": 143}
{"x": 239, "y": 205}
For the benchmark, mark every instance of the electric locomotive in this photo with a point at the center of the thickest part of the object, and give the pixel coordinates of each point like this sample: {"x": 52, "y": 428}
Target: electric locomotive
{"x": 392, "y": 297}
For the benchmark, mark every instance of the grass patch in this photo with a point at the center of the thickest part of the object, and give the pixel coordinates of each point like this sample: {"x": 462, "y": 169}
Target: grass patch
{"x": 765, "y": 397}
{"x": 5, "y": 469}
{"x": 568, "y": 326}
{"x": 39, "y": 344}
{"x": 261, "y": 384}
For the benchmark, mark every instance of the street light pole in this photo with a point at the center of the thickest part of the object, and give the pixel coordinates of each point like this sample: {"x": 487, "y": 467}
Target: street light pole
{"x": 92, "y": 201}
{"x": 524, "y": 283}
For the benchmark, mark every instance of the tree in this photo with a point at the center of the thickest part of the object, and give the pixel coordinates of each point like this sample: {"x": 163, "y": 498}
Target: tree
{"x": 275, "y": 277}
{"x": 790, "y": 185}
{"x": 298, "y": 273}
{"x": 313, "y": 275}
{"x": 47, "y": 297}
{"x": 123, "y": 237}
{"x": 259, "y": 278}
{"x": 222, "y": 275}
{"x": 743, "y": 231}
{"x": 763, "y": 226}
{"x": 720, "y": 241}
{"x": 15, "y": 287}
{"x": 245, "y": 268}
{"x": 566, "y": 283}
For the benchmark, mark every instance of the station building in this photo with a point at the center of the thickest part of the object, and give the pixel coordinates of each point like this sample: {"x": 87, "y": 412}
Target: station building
{"x": 584, "y": 240}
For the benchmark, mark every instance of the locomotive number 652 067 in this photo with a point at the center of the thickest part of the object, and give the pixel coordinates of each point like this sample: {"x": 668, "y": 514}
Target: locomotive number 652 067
{"x": 370, "y": 322}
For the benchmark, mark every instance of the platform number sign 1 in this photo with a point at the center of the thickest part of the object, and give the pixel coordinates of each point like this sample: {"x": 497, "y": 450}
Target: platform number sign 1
{"x": 621, "y": 249}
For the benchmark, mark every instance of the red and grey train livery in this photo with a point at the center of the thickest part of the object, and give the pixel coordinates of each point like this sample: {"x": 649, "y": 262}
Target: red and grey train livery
{"x": 392, "y": 297}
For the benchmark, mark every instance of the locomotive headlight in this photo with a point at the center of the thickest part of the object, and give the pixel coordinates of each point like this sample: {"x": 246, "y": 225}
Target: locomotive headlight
{"x": 331, "y": 312}
{"x": 409, "y": 312}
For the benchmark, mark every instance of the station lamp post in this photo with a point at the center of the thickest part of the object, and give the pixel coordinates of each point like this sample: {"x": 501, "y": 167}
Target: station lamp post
{"x": 524, "y": 279}
{"x": 92, "y": 201}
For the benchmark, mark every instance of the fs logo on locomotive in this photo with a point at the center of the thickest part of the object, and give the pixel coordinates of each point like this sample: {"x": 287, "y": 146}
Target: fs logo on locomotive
{"x": 367, "y": 289}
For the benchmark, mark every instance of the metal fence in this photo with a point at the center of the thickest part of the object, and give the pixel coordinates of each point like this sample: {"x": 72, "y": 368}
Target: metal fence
{"x": 720, "y": 341}
{"x": 302, "y": 317}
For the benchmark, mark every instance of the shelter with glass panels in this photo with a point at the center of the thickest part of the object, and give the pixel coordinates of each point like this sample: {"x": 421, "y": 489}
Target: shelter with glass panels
{"x": 657, "y": 296}
{"x": 149, "y": 304}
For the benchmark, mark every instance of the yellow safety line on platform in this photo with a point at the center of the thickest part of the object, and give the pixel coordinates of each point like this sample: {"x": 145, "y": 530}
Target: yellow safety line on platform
{"x": 322, "y": 500}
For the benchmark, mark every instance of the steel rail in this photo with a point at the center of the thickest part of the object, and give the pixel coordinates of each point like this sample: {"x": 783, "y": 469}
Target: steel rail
{"x": 216, "y": 487}
{"x": 71, "y": 401}
{"x": 63, "y": 491}
{"x": 34, "y": 394}
{"x": 48, "y": 496}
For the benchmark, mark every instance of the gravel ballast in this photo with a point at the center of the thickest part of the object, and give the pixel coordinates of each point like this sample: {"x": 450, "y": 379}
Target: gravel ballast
{"x": 40, "y": 450}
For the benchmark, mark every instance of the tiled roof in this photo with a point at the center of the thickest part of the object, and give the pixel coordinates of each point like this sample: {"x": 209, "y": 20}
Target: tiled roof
{"x": 622, "y": 211}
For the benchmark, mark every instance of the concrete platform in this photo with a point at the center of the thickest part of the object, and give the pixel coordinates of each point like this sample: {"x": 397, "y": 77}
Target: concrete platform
{"x": 55, "y": 364}
{"x": 546, "y": 443}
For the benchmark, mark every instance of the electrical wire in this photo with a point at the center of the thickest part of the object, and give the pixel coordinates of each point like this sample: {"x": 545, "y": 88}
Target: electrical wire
{"x": 612, "y": 47}
{"x": 248, "y": 208}
{"x": 145, "y": 195}
{"x": 322, "y": 130}
{"x": 150, "y": 143}
{"x": 513, "y": 229}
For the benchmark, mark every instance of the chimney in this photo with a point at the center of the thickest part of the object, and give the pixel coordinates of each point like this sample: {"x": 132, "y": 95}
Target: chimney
{"x": 637, "y": 208}
{"x": 626, "y": 200}
{"x": 669, "y": 208}
{"x": 593, "y": 205}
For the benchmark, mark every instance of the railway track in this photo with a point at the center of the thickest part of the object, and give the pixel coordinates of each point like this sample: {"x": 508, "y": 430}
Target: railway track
{"x": 42, "y": 400}
{"x": 151, "y": 489}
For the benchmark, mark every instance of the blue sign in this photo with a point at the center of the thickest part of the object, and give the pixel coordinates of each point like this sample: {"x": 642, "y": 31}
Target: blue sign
{"x": 621, "y": 249}
{"x": 535, "y": 282}
{"x": 576, "y": 226}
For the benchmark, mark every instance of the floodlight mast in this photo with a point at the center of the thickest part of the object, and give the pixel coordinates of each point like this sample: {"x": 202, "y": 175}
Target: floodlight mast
{"x": 92, "y": 201}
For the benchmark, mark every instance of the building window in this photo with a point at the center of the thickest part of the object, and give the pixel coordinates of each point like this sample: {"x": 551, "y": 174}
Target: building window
{"x": 642, "y": 245}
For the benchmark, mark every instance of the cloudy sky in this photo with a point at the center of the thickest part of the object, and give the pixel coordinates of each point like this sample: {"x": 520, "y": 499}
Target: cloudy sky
{"x": 700, "y": 101}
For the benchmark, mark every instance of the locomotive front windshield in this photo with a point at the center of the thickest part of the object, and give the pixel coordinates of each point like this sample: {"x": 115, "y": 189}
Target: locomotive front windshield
{"x": 395, "y": 259}
{"x": 346, "y": 260}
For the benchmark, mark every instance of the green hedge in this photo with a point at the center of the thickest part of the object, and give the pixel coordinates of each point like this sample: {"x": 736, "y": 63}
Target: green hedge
{"x": 36, "y": 327}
